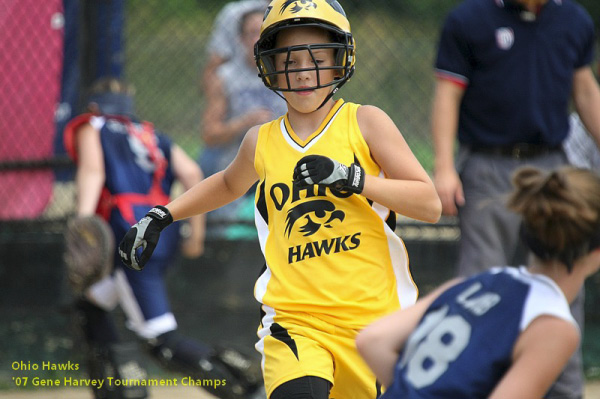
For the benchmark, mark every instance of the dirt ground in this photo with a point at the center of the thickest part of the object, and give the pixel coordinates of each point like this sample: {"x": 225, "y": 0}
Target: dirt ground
{"x": 592, "y": 391}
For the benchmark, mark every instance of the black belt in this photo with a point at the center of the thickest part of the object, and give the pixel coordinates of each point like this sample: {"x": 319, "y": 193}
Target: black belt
{"x": 517, "y": 151}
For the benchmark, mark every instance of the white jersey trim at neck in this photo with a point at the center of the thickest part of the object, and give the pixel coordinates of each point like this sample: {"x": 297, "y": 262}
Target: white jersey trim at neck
{"x": 288, "y": 137}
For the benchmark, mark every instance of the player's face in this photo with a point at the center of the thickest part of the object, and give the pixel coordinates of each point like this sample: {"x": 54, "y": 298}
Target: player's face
{"x": 310, "y": 99}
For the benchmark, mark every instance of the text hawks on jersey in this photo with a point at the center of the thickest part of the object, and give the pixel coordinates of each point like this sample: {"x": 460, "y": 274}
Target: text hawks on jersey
{"x": 316, "y": 214}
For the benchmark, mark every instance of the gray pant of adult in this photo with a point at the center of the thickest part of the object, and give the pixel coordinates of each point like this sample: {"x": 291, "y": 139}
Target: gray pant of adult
{"x": 490, "y": 235}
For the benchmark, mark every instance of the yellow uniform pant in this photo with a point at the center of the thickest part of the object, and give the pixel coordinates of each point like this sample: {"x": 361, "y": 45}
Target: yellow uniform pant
{"x": 301, "y": 345}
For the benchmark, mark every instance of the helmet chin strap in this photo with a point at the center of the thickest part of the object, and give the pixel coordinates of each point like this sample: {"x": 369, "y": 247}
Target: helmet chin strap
{"x": 331, "y": 93}
{"x": 336, "y": 88}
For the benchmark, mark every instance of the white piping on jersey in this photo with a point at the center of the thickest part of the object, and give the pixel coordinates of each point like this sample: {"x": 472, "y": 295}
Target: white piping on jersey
{"x": 264, "y": 332}
{"x": 554, "y": 301}
{"x": 523, "y": 274}
{"x": 288, "y": 137}
{"x": 148, "y": 329}
{"x": 405, "y": 286}
{"x": 260, "y": 287}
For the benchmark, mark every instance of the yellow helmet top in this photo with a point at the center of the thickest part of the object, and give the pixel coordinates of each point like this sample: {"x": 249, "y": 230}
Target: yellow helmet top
{"x": 280, "y": 11}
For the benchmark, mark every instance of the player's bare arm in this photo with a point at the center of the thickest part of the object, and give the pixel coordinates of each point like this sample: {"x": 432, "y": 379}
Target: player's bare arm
{"x": 586, "y": 97}
{"x": 381, "y": 342}
{"x": 539, "y": 356}
{"x": 222, "y": 187}
{"x": 407, "y": 189}
{"x": 444, "y": 126}
{"x": 211, "y": 193}
{"x": 188, "y": 172}
{"x": 90, "y": 170}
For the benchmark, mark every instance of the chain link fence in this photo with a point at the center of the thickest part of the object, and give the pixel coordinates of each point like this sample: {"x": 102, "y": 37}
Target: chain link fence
{"x": 395, "y": 49}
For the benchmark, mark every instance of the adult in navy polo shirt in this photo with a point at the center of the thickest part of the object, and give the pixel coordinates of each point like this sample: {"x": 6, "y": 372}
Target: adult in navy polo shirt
{"x": 506, "y": 72}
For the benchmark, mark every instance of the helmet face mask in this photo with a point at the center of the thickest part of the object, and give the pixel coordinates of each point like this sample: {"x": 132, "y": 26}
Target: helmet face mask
{"x": 270, "y": 73}
{"x": 323, "y": 14}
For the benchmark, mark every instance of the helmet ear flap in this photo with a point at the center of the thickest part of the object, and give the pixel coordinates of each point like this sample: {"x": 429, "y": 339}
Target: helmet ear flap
{"x": 267, "y": 67}
{"x": 343, "y": 58}
{"x": 340, "y": 57}
{"x": 265, "y": 64}
{"x": 341, "y": 61}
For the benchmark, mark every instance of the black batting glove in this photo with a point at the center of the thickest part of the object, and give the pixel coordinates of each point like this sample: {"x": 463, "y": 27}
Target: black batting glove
{"x": 317, "y": 169}
{"x": 145, "y": 234}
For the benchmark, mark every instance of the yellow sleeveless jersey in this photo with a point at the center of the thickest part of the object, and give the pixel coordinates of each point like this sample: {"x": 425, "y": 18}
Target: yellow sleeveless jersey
{"x": 331, "y": 254}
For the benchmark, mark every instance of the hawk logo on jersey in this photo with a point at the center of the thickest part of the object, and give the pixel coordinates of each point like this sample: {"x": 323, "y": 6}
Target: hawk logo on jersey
{"x": 316, "y": 213}
{"x": 298, "y": 5}
{"x": 320, "y": 209}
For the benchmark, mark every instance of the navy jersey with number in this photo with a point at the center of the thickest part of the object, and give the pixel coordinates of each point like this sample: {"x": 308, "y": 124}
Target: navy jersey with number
{"x": 464, "y": 342}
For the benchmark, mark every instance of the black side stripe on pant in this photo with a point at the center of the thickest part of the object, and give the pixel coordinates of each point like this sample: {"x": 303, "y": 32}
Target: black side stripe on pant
{"x": 282, "y": 335}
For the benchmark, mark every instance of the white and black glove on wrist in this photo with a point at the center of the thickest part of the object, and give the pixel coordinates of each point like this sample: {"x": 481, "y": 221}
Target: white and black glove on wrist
{"x": 317, "y": 169}
{"x": 145, "y": 234}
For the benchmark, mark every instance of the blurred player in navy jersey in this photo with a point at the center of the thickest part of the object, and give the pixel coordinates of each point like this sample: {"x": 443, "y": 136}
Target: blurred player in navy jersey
{"x": 124, "y": 167}
{"x": 507, "y": 332}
